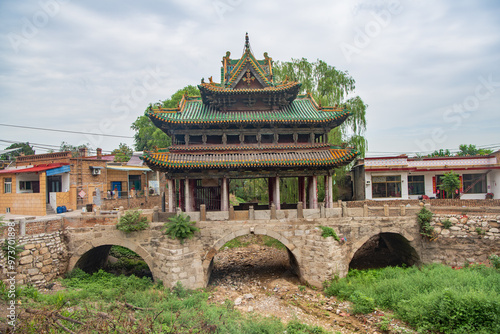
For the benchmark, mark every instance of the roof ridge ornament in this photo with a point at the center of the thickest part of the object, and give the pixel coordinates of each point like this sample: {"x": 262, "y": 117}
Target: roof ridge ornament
{"x": 247, "y": 43}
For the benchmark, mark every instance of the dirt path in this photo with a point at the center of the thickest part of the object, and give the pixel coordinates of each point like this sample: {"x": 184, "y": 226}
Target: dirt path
{"x": 257, "y": 278}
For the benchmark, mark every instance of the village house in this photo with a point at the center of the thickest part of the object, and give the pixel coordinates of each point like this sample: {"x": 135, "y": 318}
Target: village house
{"x": 401, "y": 177}
{"x": 40, "y": 184}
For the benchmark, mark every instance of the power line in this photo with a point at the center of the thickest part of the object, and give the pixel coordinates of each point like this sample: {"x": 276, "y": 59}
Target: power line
{"x": 66, "y": 131}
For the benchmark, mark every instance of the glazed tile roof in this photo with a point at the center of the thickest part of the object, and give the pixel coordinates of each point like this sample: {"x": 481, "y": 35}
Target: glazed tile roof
{"x": 329, "y": 158}
{"x": 300, "y": 111}
{"x": 217, "y": 88}
{"x": 237, "y": 147}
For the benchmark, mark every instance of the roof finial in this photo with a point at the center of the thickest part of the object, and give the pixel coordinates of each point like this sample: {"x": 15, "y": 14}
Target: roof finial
{"x": 247, "y": 42}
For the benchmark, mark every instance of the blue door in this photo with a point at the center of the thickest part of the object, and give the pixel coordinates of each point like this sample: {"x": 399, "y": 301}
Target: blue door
{"x": 116, "y": 186}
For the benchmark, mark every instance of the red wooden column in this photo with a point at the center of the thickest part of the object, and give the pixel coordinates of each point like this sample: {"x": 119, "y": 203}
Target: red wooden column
{"x": 171, "y": 199}
{"x": 192, "y": 191}
{"x": 270, "y": 190}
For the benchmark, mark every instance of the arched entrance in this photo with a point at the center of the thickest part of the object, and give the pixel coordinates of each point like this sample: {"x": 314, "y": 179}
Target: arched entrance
{"x": 383, "y": 250}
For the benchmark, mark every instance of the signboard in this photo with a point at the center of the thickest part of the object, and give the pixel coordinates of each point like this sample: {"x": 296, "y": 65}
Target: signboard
{"x": 82, "y": 194}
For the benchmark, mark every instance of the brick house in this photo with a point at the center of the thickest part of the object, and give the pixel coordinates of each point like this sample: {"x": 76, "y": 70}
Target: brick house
{"x": 40, "y": 183}
{"x": 401, "y": 177}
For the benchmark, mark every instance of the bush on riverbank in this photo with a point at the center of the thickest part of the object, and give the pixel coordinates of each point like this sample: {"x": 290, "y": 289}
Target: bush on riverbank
{"x": 431, "y": 298}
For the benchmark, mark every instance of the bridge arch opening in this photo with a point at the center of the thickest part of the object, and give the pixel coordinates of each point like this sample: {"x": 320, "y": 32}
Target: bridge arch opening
{"x": 115, "y": 259}
{"x": 384, "y": 250}
{"x": 252, "y": 259}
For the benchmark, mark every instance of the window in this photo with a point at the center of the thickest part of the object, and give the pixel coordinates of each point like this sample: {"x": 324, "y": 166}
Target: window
{"x": 474, "y": 183}
{"x": 386, "y": 186}
{"x": 416, "y": 185}
{"x": 25, "y": 185}
{"x": 7, "y": 185}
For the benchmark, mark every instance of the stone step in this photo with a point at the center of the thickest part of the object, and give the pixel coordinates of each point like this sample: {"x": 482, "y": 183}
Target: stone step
{"x": 49, "y": 210}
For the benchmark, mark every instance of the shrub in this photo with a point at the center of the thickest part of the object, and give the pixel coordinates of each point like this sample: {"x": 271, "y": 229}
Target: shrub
{"x": 362, "y": 303}
{"x": 11, "y": 249}
{"x": 424, "y": 218}
{"x": 328, "y": 232}
{"x": 447, "y": 224}
{"x": 180, "y": 227}
{"x": 132, "y": 221}
{"x": 480, "y": 231}
{"x": 495, "y": 261}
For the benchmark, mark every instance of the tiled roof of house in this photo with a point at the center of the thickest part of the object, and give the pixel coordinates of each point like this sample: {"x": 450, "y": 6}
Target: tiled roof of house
{"x": 331, "y": 157}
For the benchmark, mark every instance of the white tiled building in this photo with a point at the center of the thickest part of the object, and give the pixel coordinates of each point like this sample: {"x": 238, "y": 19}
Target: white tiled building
{"x": 408, "y": 178}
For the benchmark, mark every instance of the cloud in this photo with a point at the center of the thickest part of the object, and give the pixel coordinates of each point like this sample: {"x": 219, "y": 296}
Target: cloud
{"x": 77, "y": 69}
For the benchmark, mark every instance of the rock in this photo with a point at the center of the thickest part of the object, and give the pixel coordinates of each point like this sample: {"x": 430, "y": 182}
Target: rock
{"x": 248, "y": 296}
{"x": 445, "y": 231}
{"x": 250, "y": 309}
{"x": 453, "y": 220}
{"x": 471, "y": 222}
{"x": 26, "y": 259}
{"x": 237, "y": 301}
{"x": 455, "y": 228}
{"x": 494, "y": 230}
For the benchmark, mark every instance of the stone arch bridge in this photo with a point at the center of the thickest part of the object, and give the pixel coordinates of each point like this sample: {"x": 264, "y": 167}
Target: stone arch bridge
{"x": 313, "y": 257}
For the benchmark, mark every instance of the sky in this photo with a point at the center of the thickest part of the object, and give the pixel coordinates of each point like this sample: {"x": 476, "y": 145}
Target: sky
{"x": 429, "y": 71}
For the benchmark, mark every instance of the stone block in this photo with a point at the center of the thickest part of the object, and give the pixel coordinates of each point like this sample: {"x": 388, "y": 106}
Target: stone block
{"x": 29, "y": 246}
{"x": 26, "y": 259}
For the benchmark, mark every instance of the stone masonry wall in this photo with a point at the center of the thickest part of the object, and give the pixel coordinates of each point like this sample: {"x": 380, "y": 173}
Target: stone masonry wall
{"x": 44, "y": 258}
{"x": 470, "y": 239}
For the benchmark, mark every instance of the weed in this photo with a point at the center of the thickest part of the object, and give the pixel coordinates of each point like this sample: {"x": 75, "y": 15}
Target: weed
{"x": 480, "y": 231}
{"x": 132, "y": 221}
{"x": 424, "y": 218}
{"x": 447, "y": 224}
{"x": 302, "y": 288}
{"x": 11, "y": 249}
{"x": 495, "y": 261}
{"x": 271, "y": 242}
{"x": 328, "y": 232}
{"x": 180, "y": 227}
{"x": 432, "y": 298}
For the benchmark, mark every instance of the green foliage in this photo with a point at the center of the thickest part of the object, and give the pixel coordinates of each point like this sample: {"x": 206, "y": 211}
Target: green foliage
{"x": 122, "y": 252}
{"x": 123, "y": 153}
{"x": 177, "y": 310}
{"x": 11, "y": 249}
{"x": 447, "y": 224}
{"x": 147, "y": 135}
{"x": 472, "y": 150}
{"x": 180, "y": 227}
{"x": 449, "y": 183}
{"x": 271, "y": 242}
{"x": 432, "y": 298}
{"x": 480, "y": 231}
{"x": 329, "y": 86}
{"x": 424, "y": 218}
{"x": 26, "y": 149}
{"x": 132, "y": 221}
{"x": 495, "y": 261}
{"x": 75, "y": 150}
{"x": 328, "y": 232}
{"x": 441, "y": 153}
{"x": 250, "y": 190}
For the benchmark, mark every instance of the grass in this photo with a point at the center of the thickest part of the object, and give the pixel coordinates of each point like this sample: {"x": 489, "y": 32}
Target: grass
{"x": 103, "y": 303}
{"x": 246, "y": 240}
{"x": 431, "y": 298}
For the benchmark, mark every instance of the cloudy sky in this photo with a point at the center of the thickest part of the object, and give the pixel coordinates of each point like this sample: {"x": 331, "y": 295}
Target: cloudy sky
{"x": 429, "y": 70}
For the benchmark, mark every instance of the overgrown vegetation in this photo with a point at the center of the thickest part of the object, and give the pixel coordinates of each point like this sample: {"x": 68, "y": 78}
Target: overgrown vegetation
{"x": 132, "y": 221}
{"x": 424, "y": 218}
{"x": 246, "y": 240}
{"x": 180, "y": 227}
{"x": 11, "y": 249}
{"x": 447, "y": 224}
{"x": 450, "y": 183}
{"x": 433, "y": 298}
{"x": 104, "y": 303}
{"x": 328, "y": 232}
{"x": 495, "y": 261}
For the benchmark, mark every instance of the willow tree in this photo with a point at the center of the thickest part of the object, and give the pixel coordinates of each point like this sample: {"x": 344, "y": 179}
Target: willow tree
{"x": 329, "y": 86}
